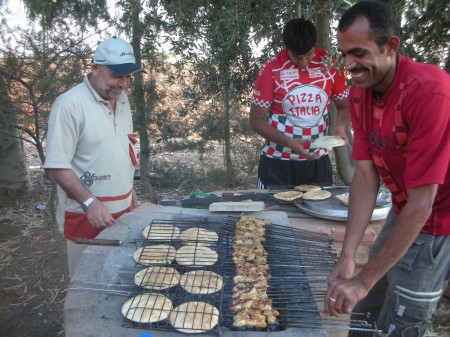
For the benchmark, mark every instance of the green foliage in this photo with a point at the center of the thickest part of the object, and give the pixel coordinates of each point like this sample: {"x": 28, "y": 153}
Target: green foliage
{"x": 219, "y": 63}
{"x": 175, "y": 175}
{"x": 220, "y": 177}
{"x": 37, "y": 66}
{"x": 84, "y": 12}
{"x": 187, "y": 178}
{"x": 426, "y": 30}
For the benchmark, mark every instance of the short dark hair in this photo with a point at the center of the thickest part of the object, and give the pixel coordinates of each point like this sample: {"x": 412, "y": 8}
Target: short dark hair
{"x": 299, "y": 36}
{"x": 382, "y": 20}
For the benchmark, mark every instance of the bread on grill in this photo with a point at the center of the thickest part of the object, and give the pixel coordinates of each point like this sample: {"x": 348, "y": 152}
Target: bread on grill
{"x": 196, "y": 256}
{"x": 160, "y": 232}
{"x": 155, "y": 254}
{"x": 147, "y": 308}
{"x": 198, "y": 236}
{"x": 157, "y": 278}
{"x": 194, "y": 317}
{"x": 201, "y": 282}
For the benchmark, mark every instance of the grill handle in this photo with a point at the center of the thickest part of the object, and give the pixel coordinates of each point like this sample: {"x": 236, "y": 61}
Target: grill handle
{"x": 98, "y": 242}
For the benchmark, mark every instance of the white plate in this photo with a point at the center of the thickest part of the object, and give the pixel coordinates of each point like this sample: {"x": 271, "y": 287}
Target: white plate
{"x": 333, "y": 209}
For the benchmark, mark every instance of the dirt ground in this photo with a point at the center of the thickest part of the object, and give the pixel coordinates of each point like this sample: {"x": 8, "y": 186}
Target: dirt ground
{"x": 33, "y": 267}
{"x": 33, "y": 270}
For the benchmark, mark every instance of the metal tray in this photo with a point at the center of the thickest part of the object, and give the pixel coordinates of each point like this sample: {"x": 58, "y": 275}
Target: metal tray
{"x": 333, "y": 209}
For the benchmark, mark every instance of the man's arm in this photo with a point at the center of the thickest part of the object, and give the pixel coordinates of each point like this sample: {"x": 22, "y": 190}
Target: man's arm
{"x": 258, "y": 124}
{"x": 409, "y": 223}
{"x": 342, "y": 119}
{"x": 98, "y": 214}
{"x": 363, "y": 192}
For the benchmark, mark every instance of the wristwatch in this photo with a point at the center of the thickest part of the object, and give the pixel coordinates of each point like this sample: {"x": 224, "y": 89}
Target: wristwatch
{"x": 85, "y": 205}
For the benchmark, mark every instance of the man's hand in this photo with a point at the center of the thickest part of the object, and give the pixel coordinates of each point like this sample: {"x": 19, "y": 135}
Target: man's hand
{"x": 343, "y": 270}
{"x": 297, "y": 146}
{"x": 257, "y": 119}
{"x": 342, "y": 295}
{"x": 98, "y": 215}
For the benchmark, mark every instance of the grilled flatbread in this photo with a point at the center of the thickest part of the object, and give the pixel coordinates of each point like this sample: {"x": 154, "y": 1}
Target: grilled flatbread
{"x": 343, "y": 198}
{"x": 155, "y": 254}
{"x": 147, "y": 308}
{"x": 198, "y": 236}
{"x": 157, "y": 278}
{"x": 307, "y": 187}
{"x": 327, "y": 142}
{"x": 196, "y": 256}
{"x": 201, "y": 282}
{"x": 316, "y": 195}
{"x": 194, "y": 317}
{"x": 288, "y": 195}
{"x": 160, "y": 232}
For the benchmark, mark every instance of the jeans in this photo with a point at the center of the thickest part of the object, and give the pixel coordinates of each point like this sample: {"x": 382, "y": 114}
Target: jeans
{"x": 402, "y": 303}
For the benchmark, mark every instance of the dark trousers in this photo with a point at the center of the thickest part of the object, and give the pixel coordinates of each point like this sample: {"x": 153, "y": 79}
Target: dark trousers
{"x": 276, "y": 172}
{"x": 404, "y": 300}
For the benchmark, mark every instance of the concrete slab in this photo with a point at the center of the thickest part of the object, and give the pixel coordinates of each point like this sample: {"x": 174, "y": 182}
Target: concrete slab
{"x": 101, "y": 283}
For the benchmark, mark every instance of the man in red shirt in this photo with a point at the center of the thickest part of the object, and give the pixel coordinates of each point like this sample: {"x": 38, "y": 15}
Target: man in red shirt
{"x": 290, "y": 108}
{"x": 400, "y": 114}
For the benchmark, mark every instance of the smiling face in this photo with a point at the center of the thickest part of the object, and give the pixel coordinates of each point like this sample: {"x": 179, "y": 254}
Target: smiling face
{"x": 108, "y": 84}
{"x": 369, "y": 65}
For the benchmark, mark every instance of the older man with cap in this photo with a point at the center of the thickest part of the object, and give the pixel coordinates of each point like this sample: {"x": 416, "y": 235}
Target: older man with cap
{"x": 290, "y": 108}
{"x": 90, "y": 147}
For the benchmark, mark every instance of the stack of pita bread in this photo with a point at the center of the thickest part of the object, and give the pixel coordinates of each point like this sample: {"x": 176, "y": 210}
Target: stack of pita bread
{"x": 313, "y": 192}
{"x": 288, "y": 195}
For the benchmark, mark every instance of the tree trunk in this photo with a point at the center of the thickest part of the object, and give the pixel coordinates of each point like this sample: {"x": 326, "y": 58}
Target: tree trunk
{"x": 298, "y": 8}
{"x": 228, "y": 162}
{"x": 345, "y": 166}
{"x": 447, "y": 63}
{"x": 139, "y": 100}
{"x": 14, "y": 175}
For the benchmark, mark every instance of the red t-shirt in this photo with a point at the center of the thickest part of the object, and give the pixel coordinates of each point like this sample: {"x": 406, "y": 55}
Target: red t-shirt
{"x": 298, "y": 99}
{"x": 426, "y": 115}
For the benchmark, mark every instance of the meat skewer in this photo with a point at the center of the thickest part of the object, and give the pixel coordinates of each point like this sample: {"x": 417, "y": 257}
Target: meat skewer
{"x": 251, "y": 304}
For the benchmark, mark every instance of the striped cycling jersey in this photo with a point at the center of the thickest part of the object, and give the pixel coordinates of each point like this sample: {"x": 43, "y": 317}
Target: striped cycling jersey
{"x": 298, "y": 99}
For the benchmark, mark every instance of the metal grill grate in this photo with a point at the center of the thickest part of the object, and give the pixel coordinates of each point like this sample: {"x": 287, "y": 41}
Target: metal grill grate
{"x": 299, "y": 262}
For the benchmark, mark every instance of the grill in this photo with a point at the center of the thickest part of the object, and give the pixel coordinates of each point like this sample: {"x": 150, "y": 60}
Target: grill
{"x": 299, "y": 262}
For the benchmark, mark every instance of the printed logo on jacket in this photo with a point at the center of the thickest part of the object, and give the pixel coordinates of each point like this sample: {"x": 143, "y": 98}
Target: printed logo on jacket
{"x": 89, "y": 178}
{"x": 304, "y": 105}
